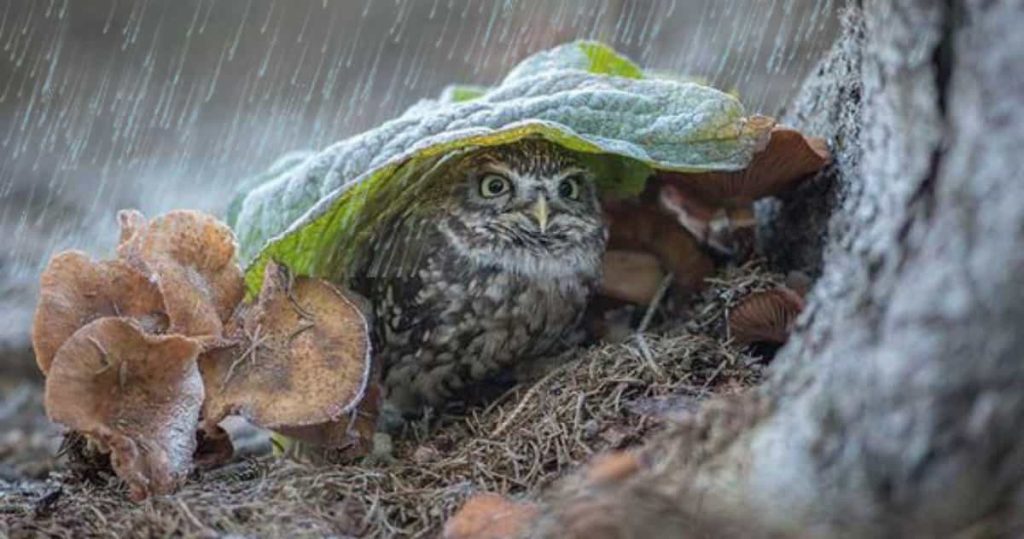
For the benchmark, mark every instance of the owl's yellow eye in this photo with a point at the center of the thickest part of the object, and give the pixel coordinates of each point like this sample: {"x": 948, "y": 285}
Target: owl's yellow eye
{"x": 493, "y": 185}
{"x": 569, "y": 188}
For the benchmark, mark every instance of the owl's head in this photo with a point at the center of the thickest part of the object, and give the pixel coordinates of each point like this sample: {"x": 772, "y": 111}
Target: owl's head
{"x": 529, "y": 207}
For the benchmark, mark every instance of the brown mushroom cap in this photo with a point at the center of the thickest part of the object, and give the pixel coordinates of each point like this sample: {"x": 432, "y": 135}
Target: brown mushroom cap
{"x": 639, "y": 226}
{"x": 788, "y": 158}
{"x": 191, "y": 257}
{"x": 303, "y": 357}
{"x": 213, "y": 447}
{"x": 74, "y": 290}
{"x": 766, "y": 316}
{"x": 344, "y": 439}
{"x": 490, "y": 516}
{"x": 138, "y": 395}
{"x": 131, "y": 222}
{"x": 631, "y": 276}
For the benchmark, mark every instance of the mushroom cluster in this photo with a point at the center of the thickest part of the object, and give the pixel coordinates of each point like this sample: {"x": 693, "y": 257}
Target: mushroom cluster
{"x": 681, "y": 220}
{"x": 145, "y": 354}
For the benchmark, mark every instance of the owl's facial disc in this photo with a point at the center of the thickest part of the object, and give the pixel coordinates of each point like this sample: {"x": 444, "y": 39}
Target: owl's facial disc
{"x": 536, "y": 207}
{"x": 528, "y": 201}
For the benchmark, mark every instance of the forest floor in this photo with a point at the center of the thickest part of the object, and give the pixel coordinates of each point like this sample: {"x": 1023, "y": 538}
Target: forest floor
{"x": 595, "y": 399}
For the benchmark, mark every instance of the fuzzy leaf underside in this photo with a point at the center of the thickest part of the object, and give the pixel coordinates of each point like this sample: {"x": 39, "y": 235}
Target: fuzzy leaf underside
{"x": 582, "y": 95}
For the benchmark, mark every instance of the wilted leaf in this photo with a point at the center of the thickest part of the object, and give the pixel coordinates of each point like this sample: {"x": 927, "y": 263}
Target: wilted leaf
{"x": 191, "y": 257}
{"x": 137, "y": 395}
{"x": 302, "y": 358}
{"x": 74, "y": 290}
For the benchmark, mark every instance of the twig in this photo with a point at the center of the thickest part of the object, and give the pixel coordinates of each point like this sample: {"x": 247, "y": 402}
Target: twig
{"x": 655, "y": 303}
{"x": 714, "y": 375}
{"x": 641, "y": 340}
{"x": 526, "y": 398}
{"x": 255, "y": 341}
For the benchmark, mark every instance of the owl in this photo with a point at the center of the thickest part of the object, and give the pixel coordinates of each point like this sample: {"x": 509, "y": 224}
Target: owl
{"x": 495, "y": 266}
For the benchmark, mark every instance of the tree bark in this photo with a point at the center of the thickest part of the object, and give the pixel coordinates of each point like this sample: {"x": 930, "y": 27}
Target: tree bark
{"x": 897, "y": 408}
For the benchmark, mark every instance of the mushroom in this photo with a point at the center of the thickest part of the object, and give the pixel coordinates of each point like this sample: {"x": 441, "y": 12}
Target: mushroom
{"x": 766, "y": 316}
{"x": 191, "y": 258}
{"x": 637, "y": 226}
{"x": 137, "y": 395}
{"x": 131, "y": 222}
{"x": 631, "y": 276}
{"x": 717, "y": 207}
{"x": 74, "y": 290}
{"x": 348, "y": 437}
{"x": 491, "y": 516}
{"x": 213, "y": 447}
{"x": 788, "y": 158}
{"x": 301, "y": 358}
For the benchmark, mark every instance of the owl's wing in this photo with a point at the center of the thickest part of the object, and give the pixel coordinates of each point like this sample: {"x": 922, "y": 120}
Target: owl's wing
{"x": 399, "y": 242}
{"x": 400, "y": 247}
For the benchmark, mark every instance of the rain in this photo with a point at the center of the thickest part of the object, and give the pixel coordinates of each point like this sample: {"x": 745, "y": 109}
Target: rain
{"x": 108, "y": 104}
{"x": 172, "y": 104}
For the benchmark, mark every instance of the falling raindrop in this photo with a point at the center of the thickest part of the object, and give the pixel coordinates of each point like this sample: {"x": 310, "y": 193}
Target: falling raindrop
{"x": 158, "y": 105}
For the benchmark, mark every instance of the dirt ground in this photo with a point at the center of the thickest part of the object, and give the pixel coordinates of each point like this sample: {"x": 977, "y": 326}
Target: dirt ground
{"x": 604, "y": 397}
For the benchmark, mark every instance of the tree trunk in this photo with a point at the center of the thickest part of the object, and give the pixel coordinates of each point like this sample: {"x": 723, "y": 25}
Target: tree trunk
{"x": 897, "y": 409}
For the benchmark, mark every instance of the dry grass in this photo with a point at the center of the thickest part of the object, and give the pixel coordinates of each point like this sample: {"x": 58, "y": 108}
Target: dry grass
{"x": 597, "y": 399}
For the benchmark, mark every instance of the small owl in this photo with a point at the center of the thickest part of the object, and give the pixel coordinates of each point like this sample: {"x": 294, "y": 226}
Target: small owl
{"x": 494, "y": 267}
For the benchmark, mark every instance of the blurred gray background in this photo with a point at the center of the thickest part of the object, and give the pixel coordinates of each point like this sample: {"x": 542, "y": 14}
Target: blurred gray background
{"x": 162, "y": 104}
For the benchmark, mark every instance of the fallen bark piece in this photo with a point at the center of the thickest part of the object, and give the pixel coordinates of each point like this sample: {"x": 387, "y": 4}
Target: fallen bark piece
{"x": 302, "y": 357}
{"x": 491, "y": 516}
{"x": 74, "y": 290}
{"x": 191, "y": 257}
{"x": 137, "y": 395}
{"x": 766, "y": 316}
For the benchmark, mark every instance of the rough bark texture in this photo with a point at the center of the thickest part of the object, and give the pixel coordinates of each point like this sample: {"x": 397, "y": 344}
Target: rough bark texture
{"x": 898, "y": 408}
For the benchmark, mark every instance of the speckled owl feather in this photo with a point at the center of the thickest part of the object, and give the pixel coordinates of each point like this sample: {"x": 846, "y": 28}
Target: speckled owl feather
{"x": 382, "y": 211}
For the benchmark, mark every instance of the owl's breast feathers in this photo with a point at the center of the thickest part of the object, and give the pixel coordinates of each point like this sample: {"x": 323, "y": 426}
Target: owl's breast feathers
{"x": 443, "y": 321}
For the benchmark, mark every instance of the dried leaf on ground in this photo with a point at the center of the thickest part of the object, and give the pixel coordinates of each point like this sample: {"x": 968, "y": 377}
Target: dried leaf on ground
{"x": 75, "y": 290}
{"x": 137, "y": 395}
{"x": 191, "y": 257}
{"x": 302, "y": 356}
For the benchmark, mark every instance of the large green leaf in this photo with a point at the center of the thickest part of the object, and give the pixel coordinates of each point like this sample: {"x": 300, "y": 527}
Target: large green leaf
{"x": 581, "y": 95}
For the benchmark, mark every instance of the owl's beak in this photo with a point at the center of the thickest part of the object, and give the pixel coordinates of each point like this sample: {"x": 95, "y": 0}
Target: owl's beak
{"x": 540, "y": 212}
